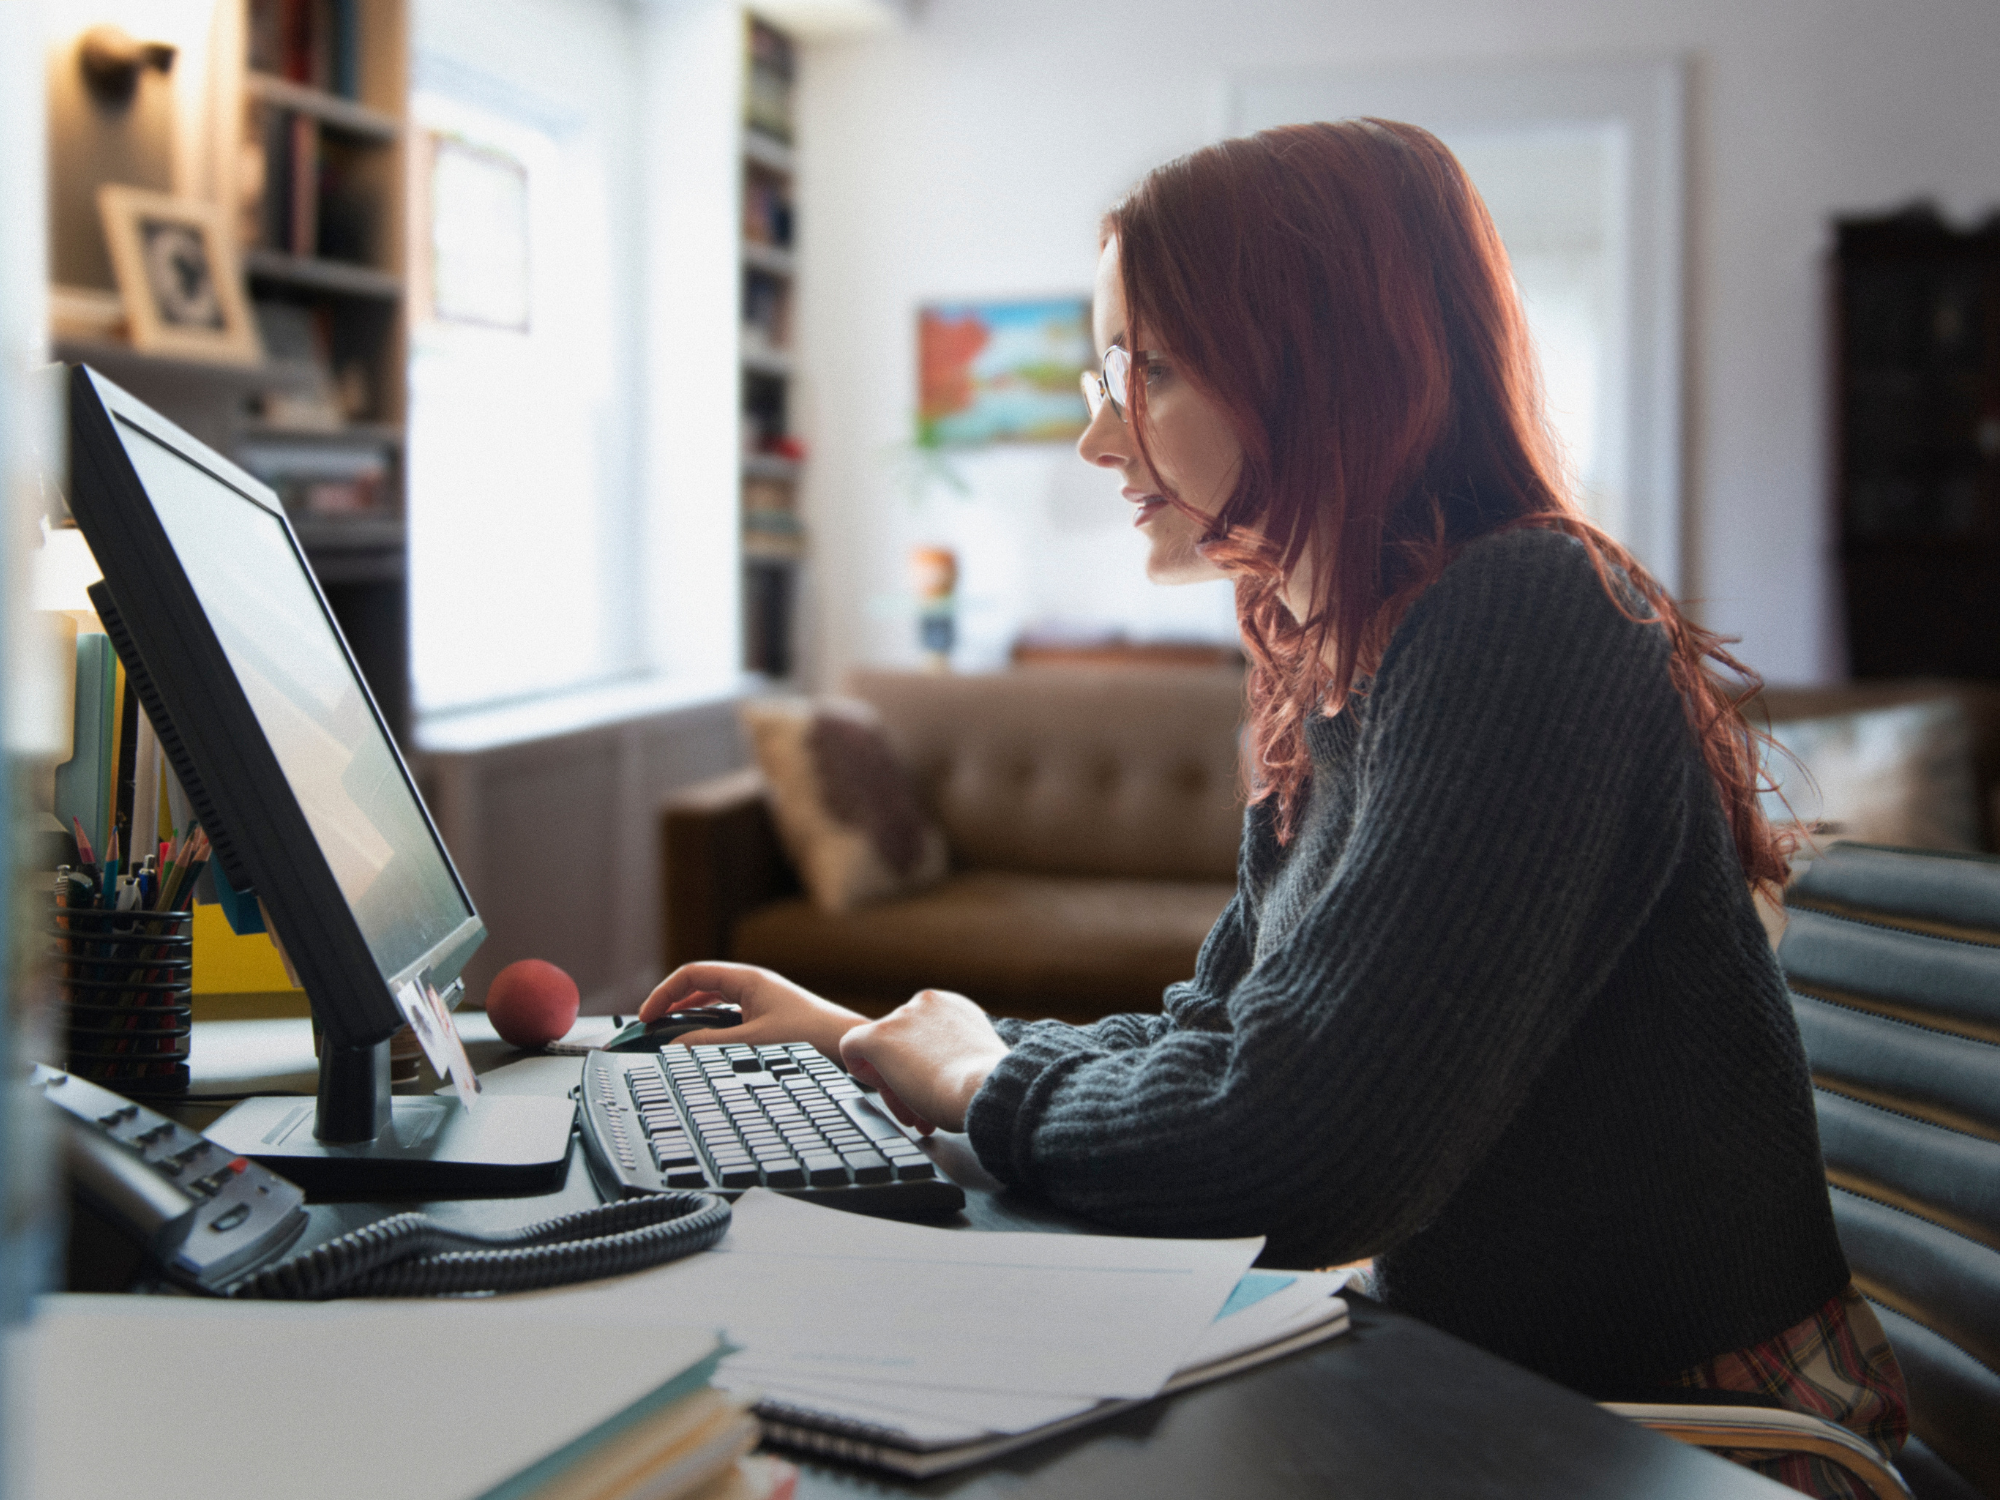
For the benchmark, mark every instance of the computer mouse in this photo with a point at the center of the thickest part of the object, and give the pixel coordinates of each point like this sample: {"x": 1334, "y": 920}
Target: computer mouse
{"x": 646, "y": 1036}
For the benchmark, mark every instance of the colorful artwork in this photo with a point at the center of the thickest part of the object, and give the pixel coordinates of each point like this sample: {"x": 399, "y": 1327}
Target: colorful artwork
{"x": 1002, "y": 372}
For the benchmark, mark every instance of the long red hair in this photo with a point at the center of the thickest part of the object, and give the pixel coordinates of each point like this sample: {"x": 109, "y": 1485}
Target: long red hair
{"x": 1340, "y": 292}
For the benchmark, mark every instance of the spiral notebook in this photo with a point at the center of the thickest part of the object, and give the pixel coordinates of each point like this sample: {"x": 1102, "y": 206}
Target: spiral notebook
{"x": 920, "y": 1431}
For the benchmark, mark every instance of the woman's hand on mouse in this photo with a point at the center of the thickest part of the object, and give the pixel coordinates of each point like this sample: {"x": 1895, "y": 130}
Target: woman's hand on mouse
{"x": 928, "y": 1057}
{"x": 774, "y": 1009}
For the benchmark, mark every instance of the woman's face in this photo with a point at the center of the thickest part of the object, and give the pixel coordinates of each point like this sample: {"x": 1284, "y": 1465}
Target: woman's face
{"x": 1197, "y": 455}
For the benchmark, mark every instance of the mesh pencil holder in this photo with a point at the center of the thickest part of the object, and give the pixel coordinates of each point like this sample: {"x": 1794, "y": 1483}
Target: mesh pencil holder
{"x": 126, "y": 980}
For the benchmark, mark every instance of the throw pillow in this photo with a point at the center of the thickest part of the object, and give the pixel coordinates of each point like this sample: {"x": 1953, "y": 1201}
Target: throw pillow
{"x": 1880, "y": 776}
{"x": 846, "y": 807}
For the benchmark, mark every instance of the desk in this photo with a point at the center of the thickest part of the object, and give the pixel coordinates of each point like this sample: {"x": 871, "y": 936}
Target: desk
{"x": 1394, "y": 1408}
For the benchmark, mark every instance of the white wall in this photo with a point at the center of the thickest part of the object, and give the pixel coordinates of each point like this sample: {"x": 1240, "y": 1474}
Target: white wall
{"x": 971, "y": 154}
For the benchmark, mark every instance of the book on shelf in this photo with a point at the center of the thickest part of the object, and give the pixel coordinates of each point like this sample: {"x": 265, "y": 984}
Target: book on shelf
{"x": 316, "y": 43}
{"x": 302, "y": 183}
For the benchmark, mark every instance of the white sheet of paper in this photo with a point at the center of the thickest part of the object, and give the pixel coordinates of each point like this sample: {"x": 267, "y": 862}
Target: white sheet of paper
{"x": 821, "y": 1294}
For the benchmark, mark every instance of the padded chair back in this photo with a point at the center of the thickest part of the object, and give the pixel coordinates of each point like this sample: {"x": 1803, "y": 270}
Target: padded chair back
{"x": 1893, "y": 958}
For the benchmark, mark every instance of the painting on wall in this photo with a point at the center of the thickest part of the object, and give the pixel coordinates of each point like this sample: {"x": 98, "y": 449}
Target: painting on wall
{"x": 1002, "y": 372}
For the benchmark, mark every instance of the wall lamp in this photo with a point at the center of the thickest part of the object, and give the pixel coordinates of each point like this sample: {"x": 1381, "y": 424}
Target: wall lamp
{"x": 112, "y": 61}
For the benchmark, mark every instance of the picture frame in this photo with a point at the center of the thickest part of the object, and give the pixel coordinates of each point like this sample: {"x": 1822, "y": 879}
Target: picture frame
{"x": 178, "y": 276}
{"x": 1002, "y": 371}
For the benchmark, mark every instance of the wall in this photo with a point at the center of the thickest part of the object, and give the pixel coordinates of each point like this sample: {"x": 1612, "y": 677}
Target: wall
{"x": 971, "y": 154}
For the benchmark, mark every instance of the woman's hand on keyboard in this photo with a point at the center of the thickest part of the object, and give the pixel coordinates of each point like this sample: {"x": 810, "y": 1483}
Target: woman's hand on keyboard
{"x": 928, "y": 1056}
{"x": 774, "y": 1009}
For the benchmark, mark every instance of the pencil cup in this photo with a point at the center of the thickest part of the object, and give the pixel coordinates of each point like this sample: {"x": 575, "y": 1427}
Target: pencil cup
{"x": 126, "y": 979}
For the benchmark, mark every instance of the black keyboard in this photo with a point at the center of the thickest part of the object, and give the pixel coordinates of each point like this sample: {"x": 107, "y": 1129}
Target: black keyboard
{"x": 722, "y": 1119}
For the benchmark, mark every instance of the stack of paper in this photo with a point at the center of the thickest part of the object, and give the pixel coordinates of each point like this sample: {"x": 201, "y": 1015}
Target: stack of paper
{"x": 923, "y": 1349}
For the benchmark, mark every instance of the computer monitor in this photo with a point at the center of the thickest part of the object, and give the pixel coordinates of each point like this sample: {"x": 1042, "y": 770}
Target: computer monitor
{"x": 287, "y": 762}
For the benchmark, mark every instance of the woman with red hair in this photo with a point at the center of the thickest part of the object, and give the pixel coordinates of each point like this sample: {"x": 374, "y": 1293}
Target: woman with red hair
{"x": 1491, "y": 1004}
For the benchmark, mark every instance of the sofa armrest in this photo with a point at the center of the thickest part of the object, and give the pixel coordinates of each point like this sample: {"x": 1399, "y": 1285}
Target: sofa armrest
{"x": 720, "y": 857}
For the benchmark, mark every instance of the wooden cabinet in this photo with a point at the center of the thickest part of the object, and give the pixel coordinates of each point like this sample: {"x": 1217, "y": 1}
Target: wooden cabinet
{"x": 1917, "y": 445}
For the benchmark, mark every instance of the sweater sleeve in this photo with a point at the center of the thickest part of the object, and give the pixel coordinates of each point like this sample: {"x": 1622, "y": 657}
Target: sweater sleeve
{"x": 1523, "y": 786}
{"x": 1201, "y": 1001}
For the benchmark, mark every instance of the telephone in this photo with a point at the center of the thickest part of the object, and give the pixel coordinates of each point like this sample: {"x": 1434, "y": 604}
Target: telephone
{"x": 219, "y": 1224}
{"x": 202, "y": 1216}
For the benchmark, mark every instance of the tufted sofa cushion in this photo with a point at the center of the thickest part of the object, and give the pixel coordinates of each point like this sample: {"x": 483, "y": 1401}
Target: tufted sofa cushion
{"x": 1074, "y": 771}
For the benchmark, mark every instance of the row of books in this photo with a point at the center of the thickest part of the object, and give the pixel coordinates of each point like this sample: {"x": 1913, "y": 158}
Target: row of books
{"x": 310, "y": 42}
{"x": 767, "y": 103}
{"x": 766, "y": 308}
{"x": 304, "y": 191}
{"x": 767, "y": 211}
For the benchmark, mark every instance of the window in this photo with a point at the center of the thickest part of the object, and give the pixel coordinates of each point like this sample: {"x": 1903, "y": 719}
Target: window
{"x": 523, "y": 423}
{"x": 1581, "y": 169}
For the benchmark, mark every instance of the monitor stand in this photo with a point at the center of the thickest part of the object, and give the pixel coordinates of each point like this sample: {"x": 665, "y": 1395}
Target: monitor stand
{"x": 357, "y": 1140}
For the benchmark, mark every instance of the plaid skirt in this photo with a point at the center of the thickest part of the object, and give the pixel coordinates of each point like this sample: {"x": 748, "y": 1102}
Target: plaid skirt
{"x": 1837, "y": 1364}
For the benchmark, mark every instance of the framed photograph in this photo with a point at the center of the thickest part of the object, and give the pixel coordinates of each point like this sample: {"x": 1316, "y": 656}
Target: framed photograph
{"x": 177, "y": 276}
{"x": 1002, "y": 372}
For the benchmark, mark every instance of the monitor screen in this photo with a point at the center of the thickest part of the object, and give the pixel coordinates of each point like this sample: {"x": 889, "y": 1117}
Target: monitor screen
{"x": 267, "y": 616}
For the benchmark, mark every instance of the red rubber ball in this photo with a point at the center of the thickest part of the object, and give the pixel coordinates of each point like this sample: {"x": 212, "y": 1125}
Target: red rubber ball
{"x": 532, "y": 1002}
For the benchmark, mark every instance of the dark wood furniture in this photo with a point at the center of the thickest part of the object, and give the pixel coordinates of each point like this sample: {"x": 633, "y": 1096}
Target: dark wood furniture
{"x": 1917, "y": 444}
{"x": 1394, "y": 1408}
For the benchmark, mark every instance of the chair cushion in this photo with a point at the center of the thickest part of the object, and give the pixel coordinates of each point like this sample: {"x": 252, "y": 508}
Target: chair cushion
{"x": 1029, "y": 945}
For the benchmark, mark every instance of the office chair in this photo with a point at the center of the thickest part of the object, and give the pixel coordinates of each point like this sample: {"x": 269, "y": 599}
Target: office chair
{"x": 1893, "y": 959}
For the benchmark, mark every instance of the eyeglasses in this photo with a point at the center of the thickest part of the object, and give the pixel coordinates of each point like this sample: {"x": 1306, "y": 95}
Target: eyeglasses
{"x": 1112, "y": 383}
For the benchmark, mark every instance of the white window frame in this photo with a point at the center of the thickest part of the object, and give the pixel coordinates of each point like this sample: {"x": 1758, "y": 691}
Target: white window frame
{"x": 1646, "y": 100}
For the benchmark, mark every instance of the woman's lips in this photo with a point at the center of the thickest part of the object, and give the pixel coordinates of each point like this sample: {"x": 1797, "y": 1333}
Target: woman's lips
{"x": 1148, "y": 506}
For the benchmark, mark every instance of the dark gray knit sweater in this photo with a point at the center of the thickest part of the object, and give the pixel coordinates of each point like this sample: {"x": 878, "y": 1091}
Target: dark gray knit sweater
{"x": 1501, "y": 1014}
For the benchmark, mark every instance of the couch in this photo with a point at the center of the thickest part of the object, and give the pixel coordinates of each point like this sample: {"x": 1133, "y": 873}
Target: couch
{"x": 1092, "y": 816}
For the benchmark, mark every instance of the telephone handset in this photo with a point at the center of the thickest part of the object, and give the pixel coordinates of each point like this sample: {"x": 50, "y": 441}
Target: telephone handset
{"x": 205, "y": 1217}
{"x": 221, "y": 1224}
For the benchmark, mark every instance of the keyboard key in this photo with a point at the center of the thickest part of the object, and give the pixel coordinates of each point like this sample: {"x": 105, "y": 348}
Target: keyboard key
{"x": 740, "y": 1176}
{"x": 917, "y": 1170}
{"x": 686, "y": 1177}
{"x": 788, "y": 1175}
{"x": 867, "y": 1166}
{"x": 826, "y": 1168}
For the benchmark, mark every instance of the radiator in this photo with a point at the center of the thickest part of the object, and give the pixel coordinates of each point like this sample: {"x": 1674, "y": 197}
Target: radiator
{"x": 555, "y": 829}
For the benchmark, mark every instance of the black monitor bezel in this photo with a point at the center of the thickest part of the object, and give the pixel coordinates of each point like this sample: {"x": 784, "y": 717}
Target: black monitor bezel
{"x": 252, "y": 814}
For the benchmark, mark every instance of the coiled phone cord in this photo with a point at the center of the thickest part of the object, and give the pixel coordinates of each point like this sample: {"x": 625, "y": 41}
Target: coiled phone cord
{"x": 411, "y": 1255}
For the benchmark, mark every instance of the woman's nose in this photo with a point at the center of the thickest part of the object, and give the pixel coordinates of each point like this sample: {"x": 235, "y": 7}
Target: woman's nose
{"x": 1104, "y": 441}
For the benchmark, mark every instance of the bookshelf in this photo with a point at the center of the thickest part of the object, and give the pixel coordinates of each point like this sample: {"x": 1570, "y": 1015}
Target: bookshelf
{"x": 774, "y": 543}
{"x": 313, "y": 165}
{"x": 1917, "y": 445}
{"x": 305, "y": 149}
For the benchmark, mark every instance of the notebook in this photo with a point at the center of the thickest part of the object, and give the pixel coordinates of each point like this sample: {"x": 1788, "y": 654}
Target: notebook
{"x": 921, "y": 1431}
